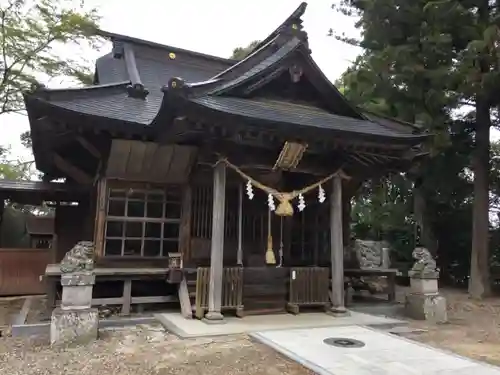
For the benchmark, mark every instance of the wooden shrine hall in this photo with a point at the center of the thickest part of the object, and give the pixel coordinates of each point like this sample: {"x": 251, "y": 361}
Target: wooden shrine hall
{"x": 225, "y": 182}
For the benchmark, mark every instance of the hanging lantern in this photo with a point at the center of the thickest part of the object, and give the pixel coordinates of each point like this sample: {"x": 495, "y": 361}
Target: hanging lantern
{"x": 270, "y": 202}
{"x": 321, "y": 194}
{"x": 249, "y": 188}
{"x": 302, "y": 203}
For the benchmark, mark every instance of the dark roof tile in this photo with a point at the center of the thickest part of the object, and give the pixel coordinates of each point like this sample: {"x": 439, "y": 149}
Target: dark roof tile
{"x": 305, "y": 115}
{"x": 110, "y": 70}
{"x": 276, "y": 57}
{"x": 107, "y": 102}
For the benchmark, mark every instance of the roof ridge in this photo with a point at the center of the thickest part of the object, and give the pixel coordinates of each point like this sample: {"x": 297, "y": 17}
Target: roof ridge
{"x": 264, "y": 65}
{"x": 248, "y": 57}
{"x": 126, "y": 38}
{"x": 44, "y": 89}
{"x": 291, "y": 20}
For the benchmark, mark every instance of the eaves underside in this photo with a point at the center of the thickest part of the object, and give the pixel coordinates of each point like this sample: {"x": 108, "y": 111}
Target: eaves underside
{"x": 113, "y": 103}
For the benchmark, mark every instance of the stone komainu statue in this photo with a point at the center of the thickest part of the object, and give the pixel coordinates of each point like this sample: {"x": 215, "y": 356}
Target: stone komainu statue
{"x": 79, "y": 259}
{"x": 425, "y": 263}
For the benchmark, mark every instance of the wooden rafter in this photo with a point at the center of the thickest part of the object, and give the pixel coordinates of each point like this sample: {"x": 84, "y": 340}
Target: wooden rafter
{"x": 72, "y": 171}
{"x": 89, "y": 147}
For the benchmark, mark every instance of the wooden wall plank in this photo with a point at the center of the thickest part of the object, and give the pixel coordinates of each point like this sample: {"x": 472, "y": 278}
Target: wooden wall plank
{"x": 149, "y": 162}
{"x": 118, "y": 158}
{"x": 162, "y": 162}
{"x": 149, "y": 157}
{"x": 136, "y": 159}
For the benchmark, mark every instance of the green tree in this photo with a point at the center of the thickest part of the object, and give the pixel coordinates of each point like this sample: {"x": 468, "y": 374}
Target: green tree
{"x": 401, "y": 76}
{"x": 31, "y": 35}
{"x": 13, "y": 169}
{"x": 422, "y": 60}
{"x": 241, "y": 52}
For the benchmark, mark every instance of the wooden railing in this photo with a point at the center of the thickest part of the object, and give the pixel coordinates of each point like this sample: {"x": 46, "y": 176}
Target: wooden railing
{"x": 308, "y": 287}
{"x": 20, "y": 271}
{"x": 232, "y": 288}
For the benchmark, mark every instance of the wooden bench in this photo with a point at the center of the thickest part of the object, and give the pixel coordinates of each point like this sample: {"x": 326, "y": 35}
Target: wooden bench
{"x": 127, "y": 275}
{"x": 390, "y": 273}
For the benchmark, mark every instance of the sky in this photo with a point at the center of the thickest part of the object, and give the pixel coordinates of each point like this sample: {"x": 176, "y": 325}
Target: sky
{"x": 213, "y": 27}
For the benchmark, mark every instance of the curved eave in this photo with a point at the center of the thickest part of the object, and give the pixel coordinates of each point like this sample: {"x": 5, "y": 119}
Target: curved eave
{"x": 177, "y": 105}
{"x": 100, "y": 106}
{"x": 292, "y": 18}
{"x": 392, "y": 121}
{"x": 266, "y": 65}
{"x": 44, "y": 114}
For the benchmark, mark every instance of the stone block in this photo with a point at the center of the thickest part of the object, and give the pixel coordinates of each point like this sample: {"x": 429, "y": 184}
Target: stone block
{"x": 77, "y": 291}
{"x": 76, "y": 327}
{"x": 430, "y": 307}
{"x": 423, "y": 286}
{"x": 77, "y": 279}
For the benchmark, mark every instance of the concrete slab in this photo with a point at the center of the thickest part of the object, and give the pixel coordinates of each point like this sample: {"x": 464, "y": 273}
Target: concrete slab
{"x": 177, "y": 324}
{"x": 43, "y": 329}
{"x": 383, "y": 354}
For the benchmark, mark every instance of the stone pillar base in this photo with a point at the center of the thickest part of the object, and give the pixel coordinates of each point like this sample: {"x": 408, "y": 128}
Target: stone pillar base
{"x": 74, "y": 326}
{"x": 214, "y": 317}
{"x": 338, "y": 311}
{"x": 431, "y": 307}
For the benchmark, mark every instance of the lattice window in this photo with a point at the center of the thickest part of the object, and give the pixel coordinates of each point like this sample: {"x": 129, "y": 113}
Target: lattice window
{"x": 142, "y": 222}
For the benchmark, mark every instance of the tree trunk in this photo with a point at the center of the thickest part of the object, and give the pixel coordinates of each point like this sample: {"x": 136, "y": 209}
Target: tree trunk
{"x": 427, "y": 237}
{"x": 479, "y": 282}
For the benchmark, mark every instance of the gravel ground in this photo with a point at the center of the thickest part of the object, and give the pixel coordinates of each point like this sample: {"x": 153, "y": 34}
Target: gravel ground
{"x": 145, "y": 350}
{"x": 473, "y": 329}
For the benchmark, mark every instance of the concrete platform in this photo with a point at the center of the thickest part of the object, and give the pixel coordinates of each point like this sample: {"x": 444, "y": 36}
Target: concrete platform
{"x": 383, "y": 354}
{"x": 175, "y": 323}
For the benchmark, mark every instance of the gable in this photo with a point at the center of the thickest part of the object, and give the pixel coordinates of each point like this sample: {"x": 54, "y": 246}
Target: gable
{"x": 290, "y": 74}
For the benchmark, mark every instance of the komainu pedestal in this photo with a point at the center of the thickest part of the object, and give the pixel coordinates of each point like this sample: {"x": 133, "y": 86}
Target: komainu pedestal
{"x": 424, "y": 301}
{"x": 75, "y": 321}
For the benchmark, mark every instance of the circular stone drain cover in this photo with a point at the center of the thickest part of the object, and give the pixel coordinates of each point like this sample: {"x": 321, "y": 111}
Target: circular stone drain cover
{"x": 342, "y": 342}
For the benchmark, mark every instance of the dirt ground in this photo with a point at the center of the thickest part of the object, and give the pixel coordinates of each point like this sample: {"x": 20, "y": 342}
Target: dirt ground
{"x": 146, "y": 350}
{"x": 473, "y": 331}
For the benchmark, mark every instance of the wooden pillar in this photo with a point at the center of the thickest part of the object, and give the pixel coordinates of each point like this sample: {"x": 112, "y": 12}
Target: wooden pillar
{"x": 337, "y": 248}
{"x": 217, "y": 246}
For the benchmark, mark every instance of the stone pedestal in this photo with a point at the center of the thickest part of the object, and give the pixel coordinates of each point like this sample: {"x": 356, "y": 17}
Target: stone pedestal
{"x": 214, "y": 317}
{"x": 76, "y": 327}
{"x": 424, "y": 301}
{"x": 75, "y": 322}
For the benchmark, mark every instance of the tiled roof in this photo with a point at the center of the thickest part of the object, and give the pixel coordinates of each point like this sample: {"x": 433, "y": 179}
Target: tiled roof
{"x": 155, "y": 66}
{"x": 108, "y": 102}
{"x": 299, "y": 114}
{"x": 275, "y": 58}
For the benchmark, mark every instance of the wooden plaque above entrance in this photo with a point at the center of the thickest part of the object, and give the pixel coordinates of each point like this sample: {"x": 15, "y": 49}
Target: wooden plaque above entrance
{"x": 150, "y": 162}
